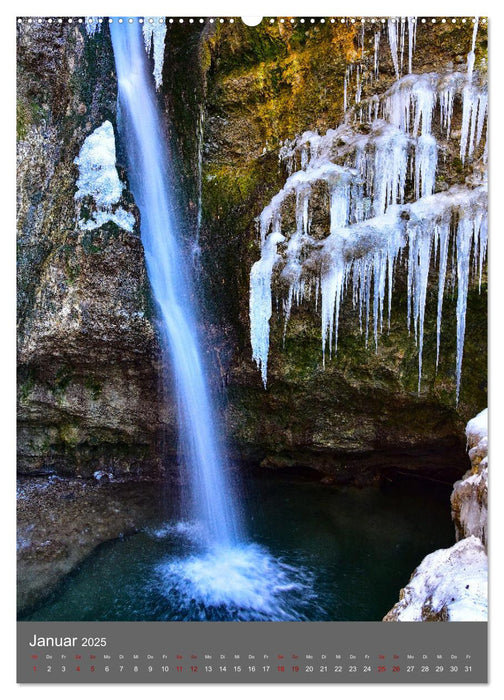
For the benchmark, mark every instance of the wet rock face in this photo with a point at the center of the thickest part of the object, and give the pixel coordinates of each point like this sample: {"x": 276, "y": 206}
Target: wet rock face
{"x": 73, "y": 517}
{"x": 363, "y": 411}
{"x": 88, "y": 369}
{"x": 88, "y": 356}
{"x": 451, "y": 584}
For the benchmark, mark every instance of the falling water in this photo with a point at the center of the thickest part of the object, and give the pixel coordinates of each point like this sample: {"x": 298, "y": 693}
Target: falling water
{"x": 219, "y": 575}
{"x": 211, "y": 497}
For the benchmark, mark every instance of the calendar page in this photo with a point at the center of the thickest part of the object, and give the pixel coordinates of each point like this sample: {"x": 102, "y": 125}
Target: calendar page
{"x": 252, "y": 349}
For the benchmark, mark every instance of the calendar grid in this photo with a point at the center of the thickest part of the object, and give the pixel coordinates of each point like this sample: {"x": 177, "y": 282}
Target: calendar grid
{"x": 180, "y": 652}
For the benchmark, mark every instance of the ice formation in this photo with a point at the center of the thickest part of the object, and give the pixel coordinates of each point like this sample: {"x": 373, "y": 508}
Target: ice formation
{"x": 154, "y": 32}
{"x": 98, "y": 178}
{"x": 396, "y": 30}
{"x": 368, "y": 175}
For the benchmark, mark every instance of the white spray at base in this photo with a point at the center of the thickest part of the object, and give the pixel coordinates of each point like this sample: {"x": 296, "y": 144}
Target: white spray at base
{"x": 225, "y": 571}
{"x": 386, "y": 148}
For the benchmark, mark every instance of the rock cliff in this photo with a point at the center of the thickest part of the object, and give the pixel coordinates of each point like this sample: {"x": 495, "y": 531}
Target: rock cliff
{"x": 452, "y": 584}
{"x": 88, "y": 349}
{"x": 362, "y": 413}
{"x": 469, "y": 499}
{"x": 87, "y": 354}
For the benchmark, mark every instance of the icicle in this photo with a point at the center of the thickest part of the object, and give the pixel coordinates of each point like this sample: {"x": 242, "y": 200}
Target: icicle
{"x": 463, "y": 244}
{"x": 425, "y": 166}
{"x": 446, "y": 99}
{"x": 471, "y": 56}
{"x": 340, "y": 201}
{"x": 403, "y": 31}
{"x": 475, "y": 33}
{"x": 467, "y": 108}
{"x": 379, "y": 276}
{"x": 392, "y": 36}
{"x": 472, "y": 132}
{"x": 376, "y": 53}
{"x": 345, "y": 89}
{"x": 292, "y": 270}
{"x": 389, "y": 169}
{"x": 260, "y": 302}
{"x": 474, "y": 111}
{"x": 331, "y": 285}
{"x": 154, "y": 32}
{"x": 93, "y": 25}
{"x": 482, "y": 112}
{"x": 442, "y": 233}
{"x": 411, "y": 41}
{"x": 420, "y": 260}
{"x": 483, "y": 242}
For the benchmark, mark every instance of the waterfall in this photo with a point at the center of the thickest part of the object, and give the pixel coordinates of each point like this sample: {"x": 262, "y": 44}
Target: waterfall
{"x": 218, "y": 575}
{"x": 211, "y": 501}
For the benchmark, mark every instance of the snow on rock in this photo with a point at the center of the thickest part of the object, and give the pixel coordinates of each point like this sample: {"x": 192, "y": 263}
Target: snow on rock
{"x": 98, "y": 178}
{"x": 477, "y": 429}
{"x": 469, "y": 499}
{"x": 449, "y": 585}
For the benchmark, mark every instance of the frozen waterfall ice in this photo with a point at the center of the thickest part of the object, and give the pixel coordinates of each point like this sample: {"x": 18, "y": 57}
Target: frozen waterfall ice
{"x": 383, "y": 206}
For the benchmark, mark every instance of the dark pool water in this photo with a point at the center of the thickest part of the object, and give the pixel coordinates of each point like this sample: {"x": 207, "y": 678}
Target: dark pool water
{"x": 315, "y": 552}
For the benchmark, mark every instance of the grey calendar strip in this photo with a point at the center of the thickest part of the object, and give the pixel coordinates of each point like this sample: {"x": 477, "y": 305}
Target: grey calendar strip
{"x": 262, "y": 652}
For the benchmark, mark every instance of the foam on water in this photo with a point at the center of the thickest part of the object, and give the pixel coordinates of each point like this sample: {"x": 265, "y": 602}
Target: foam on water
{"x": 194, "y": 532}
{"x": 242, "y": 582}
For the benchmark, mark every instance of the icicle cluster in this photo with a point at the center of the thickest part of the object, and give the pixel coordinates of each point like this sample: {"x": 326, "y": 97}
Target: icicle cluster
{"x": 366, "y": 176}
{"x": 93, "y": 25}
{"x": 400, "y": 32}
{"x": 396, "y": 27}
{"x": 154, "y": 32}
